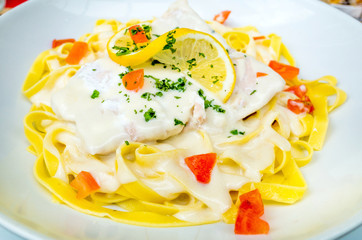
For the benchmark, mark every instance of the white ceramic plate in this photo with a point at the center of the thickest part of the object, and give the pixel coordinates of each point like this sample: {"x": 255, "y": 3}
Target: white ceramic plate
{"x": 323, "y": 41}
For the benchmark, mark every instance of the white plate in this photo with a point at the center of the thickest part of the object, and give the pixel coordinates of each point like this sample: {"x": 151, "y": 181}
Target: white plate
{"x": 323, "y": 41}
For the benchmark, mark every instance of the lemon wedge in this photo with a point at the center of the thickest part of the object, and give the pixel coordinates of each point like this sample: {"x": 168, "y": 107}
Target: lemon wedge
{"x": 197, "y": 54}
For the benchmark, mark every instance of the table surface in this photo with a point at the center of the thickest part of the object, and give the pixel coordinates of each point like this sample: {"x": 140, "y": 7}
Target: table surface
{"x": 356, "y": 234}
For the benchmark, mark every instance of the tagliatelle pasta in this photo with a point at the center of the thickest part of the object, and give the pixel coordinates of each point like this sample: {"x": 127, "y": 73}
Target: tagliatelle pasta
{"x": 145, "y": 177}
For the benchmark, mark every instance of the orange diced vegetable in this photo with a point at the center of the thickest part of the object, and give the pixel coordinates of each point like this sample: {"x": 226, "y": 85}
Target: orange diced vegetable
{"x": 221, "y": 17}
{"x": 248, "y": 223}
{"x": 77, "y": 52}
{"x": 299, "y": 90}
{"x": 85, "y": 184}
{"x": 58, "y": 42}
{"x": 201, "y": 166}
{"x": 138, "y": 35}
{"x": 250, "y": 209}
{"x": 134, "y": 80}
{"x": 252, "y": 200}
{"x": 300, "y": 105}
{"x": 286, "y": 71}
{"x": 261, "y": 74}
{"x": 259, "y": 38}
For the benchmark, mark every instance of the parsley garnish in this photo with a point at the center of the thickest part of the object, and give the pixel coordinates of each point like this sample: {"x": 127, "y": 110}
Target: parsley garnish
{"x": 177, "y": 97}
{"x": 179, "y": 122}
{"x": 236, "y": 132}
{"x": 126, "y": 142}
{"x": 150, "y": 114}
{"x": 201, "y": 54}
{"x": 173, "y": 67}
{"x": 208, "y": 103}
{"x": 170, "y": 41}
{"x": 192, "y": 63}
{"x": 252, "y": 92}
{"x": 95, "y": 94}
{"x": 94, "y": 69}
{"x": 159, "y": 94}
{"x": 212, "y": 66}
{"x": 121, "y": 50}
{"x": 167, "y": 84}
{"x": 148, "y": 95}
{"x": 147, "y": 29}
{"x": 154, "y": 62}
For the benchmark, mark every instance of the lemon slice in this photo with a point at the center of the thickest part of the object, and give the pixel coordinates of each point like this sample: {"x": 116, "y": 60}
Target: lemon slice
{"x": 194, "y": 53}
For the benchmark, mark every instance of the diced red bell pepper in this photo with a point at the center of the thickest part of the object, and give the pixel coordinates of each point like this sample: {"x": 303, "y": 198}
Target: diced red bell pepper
{"x": 298, "y": 90}
{"x": 285, "y": 71}
{"x": 300, "y": 105}
{"x": 138, "y": 35}
{"x": 259, "y": 38}
{"x": 58, "y": 42}
{"x": 77, "y": 52}
{"x": 221, "y": 17}
{"x": 134, "y": 80}
{"x": 248, "y": 223}
{"x": 202, "y": 166}
{"x": 85, "y": 184}
{"x": 252, "y": 200}
{"x": 261, "y": 74}
{"x": 250, "y": 210}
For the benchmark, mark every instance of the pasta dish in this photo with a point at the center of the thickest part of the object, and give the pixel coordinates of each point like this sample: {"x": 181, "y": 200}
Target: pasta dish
{"x": 175, "y": 121}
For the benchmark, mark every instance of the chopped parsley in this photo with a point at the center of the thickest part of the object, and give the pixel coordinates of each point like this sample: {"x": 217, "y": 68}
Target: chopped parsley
{"x": 189, "y": 74}
{"x": 252, "y": 92}
{"x": 201, "y": 54}
{"x": 212, "y": 66}
{"x": 94, "y": 69}
{"x": 179, "y": 122}
{"x": 159, "y": 94}
{"x": 121, "y": 50}
{"x": 148, "y": 95}
{"x": 95, "y": 94}
{"x": 177, "y": 97}
{"x": 147, "y": 29}
{"x": 192, "y": 63}
{"x": 173, "y": 67}
{"x": 154, "y": 62}
{"x": 150, "y": 114}
{"x": 208, "y": 103}
{"x": 236, "y": 132}
{"x": 170, "y": 41}
{"x": 167, "y": 84}
{"x": 216, "y": 79}
{"x": 126, "y": 142}
{"x": 156, "y": 35}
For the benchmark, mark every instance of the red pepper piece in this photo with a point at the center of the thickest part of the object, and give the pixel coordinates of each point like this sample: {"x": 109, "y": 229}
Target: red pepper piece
{"x": 201, "y": 166}
{"x": 134, "y": 80}
{"x": 221, "y": 17}
{"x": 138, "y": 35}
{"x": 77, "y": 52}
{"x": 286, "y": 71}
{"x": 261, "y": 74}
{"x": 85, "y": 184}
{"x": 58, "y": 42}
